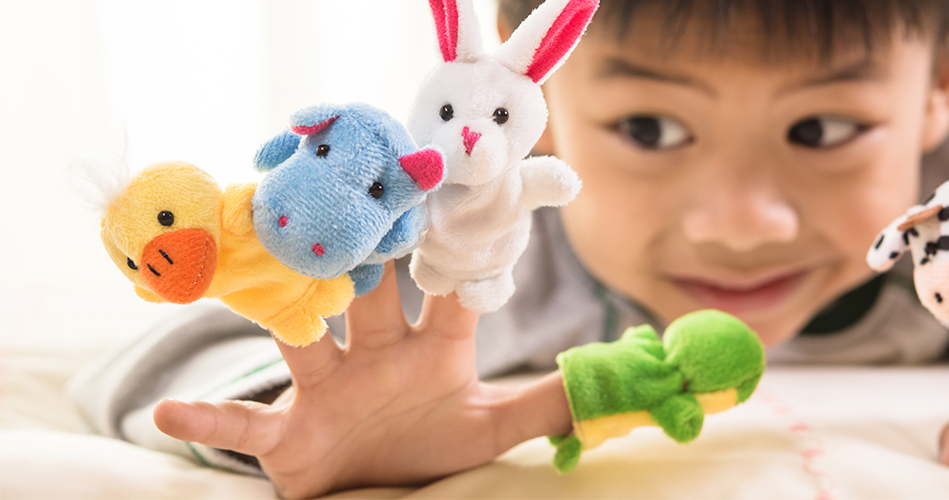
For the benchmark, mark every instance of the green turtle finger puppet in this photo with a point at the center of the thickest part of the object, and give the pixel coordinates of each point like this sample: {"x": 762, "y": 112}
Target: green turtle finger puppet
{"x": 706, "y": 362}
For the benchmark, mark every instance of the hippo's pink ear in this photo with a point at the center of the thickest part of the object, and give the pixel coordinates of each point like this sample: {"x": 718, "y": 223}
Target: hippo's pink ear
{"x": 302, "y": 126}
{"x": 425, "y": 167}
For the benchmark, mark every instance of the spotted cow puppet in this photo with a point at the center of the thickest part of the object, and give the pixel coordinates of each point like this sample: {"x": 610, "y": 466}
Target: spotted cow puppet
{"x": 924, "y": 230}
{"x": 344, "y": 192}
{"x": 178, "y": 237}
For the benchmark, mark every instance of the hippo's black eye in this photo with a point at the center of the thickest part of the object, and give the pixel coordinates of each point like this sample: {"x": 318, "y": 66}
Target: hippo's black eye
{"x": 376, "y": 190}
{"x": 322, "y": 150}
{"x": 500, "y": 116}
{"x": 447, "y": 113}
{"x": 131, "y": 264}
{"x": 166, "y": 218}
{"x": 938, "y": 298}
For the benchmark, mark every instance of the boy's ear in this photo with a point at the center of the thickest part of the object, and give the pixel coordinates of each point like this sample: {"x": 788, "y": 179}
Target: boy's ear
{"x": 937, "y": 109}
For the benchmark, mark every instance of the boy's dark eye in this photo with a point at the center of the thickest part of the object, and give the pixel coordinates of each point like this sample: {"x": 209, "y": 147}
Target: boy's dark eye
{"x": 376, "y": 190}
{"x": 166, "y": 218}
{"x": 500, "y": 116}
{"x": 824, "y": 131}
{"x": 322, "y": 150}
{"x": 655, "y": 132}
{"x": 446, "y": 113}
{"x": 131, "y": 264}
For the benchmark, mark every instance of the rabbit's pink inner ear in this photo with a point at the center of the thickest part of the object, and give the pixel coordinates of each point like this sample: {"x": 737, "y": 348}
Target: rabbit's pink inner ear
{"x": 313, "y": 129}
{"x": 561, "y": 38}
{"x": 445, "y": 13}
{"x": 425, "y": 167}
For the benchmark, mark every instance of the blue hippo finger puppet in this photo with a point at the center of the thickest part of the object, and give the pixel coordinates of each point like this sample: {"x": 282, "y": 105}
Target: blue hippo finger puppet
{"x": 344, "y": 192}
{"x": 924, "y": 230}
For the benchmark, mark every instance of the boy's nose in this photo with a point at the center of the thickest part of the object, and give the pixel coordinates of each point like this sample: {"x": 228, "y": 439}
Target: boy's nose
{"x": 741, "y": 219}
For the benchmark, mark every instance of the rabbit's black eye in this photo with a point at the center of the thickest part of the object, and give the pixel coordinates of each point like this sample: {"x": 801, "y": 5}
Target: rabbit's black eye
{"x": 938, "y": 298}
{"x": 447, "y": 113}
{"x": 322, "y": 150}
{"x": 131, "y": 264}
{"x": 166, "y": 218}
{"x": 500, "y": 116}
{"x": 376, "y": 190}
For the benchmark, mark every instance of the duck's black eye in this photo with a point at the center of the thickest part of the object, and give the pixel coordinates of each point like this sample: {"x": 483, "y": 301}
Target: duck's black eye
{"x": 447, "y": 113}
{"x": 322, "y": 150}
{"x": 131, "y": 264}
{"x": 500, "y": 116}
{"x": 376, "y": 190}
{"x": 166, "y": 218}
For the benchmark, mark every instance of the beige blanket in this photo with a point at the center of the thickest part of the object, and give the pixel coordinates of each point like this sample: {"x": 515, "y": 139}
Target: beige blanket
{"x": 815, "y": 433}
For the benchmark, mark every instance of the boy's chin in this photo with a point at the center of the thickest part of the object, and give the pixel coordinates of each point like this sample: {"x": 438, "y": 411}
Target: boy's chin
{"x": 776, "y": 331}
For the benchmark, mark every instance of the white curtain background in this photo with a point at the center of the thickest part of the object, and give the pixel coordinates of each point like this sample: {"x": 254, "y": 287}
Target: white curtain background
{"x": 195, "y": 80}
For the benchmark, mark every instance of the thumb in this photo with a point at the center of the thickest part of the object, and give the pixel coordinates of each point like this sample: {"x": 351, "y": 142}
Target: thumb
{"x": 243, "y": 426}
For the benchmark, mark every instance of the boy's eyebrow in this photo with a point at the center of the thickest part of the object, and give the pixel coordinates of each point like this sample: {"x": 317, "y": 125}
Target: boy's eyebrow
{"x": 617, "y": 67}
{"x": 863, "y": 70}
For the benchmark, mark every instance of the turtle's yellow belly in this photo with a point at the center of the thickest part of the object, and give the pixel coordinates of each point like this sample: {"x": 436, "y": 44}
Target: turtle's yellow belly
{"x": 593, "y": 432}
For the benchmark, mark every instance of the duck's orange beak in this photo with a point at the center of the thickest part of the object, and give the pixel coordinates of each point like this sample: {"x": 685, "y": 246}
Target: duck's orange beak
{"x": 179, "y": 266}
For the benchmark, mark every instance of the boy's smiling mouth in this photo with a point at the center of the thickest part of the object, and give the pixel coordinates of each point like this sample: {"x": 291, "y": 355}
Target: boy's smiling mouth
{"x": 737, "y": 295}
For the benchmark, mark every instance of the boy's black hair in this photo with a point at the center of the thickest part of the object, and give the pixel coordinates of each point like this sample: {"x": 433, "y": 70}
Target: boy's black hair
{"x": 806, "y": 24}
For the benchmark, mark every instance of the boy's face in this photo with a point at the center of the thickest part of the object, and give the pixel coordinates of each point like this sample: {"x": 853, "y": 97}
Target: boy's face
{"x": 726, "y": 182}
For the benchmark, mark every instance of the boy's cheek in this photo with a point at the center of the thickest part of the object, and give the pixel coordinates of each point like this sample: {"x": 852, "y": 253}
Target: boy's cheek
{"x": 611, "y": 223}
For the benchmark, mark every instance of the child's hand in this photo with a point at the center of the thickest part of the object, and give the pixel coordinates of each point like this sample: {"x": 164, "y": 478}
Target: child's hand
{"x": 400, "y": 404}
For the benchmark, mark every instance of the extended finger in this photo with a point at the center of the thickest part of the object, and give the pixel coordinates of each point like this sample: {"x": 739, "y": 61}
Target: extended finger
{"x": 539, "y": 408}
{"x": 444, "y": 316}
{"x": 242, "y": 426}
{"x": 376, "y": 318}
{"x": 311, "y": 363}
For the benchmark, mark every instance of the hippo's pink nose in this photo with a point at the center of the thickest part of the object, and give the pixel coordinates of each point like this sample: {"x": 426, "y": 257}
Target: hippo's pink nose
{"x": 282, "y": 221}
{"x": 469, "y": 139}
{"x": 318, "y": 249}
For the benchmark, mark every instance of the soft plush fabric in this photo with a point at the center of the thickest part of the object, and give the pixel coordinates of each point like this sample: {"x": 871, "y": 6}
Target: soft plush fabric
{"x": 178, "y": 238}
{"x": 924, "y": 230}
{"x": 536, "y": 50}
{"x": 344, "y": 188}
{"x": 485, "y": 113}
{"x": 707, "y": 361}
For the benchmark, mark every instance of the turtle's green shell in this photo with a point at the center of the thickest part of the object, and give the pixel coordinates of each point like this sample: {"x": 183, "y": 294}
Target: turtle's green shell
{"x": 627, "y": 375}
{"x": 715, "y": 351}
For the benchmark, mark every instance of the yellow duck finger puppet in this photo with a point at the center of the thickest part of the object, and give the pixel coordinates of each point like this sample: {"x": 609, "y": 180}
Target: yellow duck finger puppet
{"x": 178, "y": 237}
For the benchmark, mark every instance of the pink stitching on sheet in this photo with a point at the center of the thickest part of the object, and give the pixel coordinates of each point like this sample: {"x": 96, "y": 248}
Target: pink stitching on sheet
{"x": 812, "y": 447}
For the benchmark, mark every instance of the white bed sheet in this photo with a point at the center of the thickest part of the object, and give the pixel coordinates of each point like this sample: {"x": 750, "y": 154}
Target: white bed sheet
{"x": 807, "y": 433}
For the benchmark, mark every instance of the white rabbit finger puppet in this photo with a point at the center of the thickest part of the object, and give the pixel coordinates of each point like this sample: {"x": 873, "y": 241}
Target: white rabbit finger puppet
{"x": 924, "y": 230}
{"x": 485, "y": 112}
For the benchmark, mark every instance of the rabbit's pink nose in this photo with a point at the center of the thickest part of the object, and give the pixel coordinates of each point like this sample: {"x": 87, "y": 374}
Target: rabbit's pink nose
{"x": 318, "y": 250}
{"x": 469, "y": 138}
